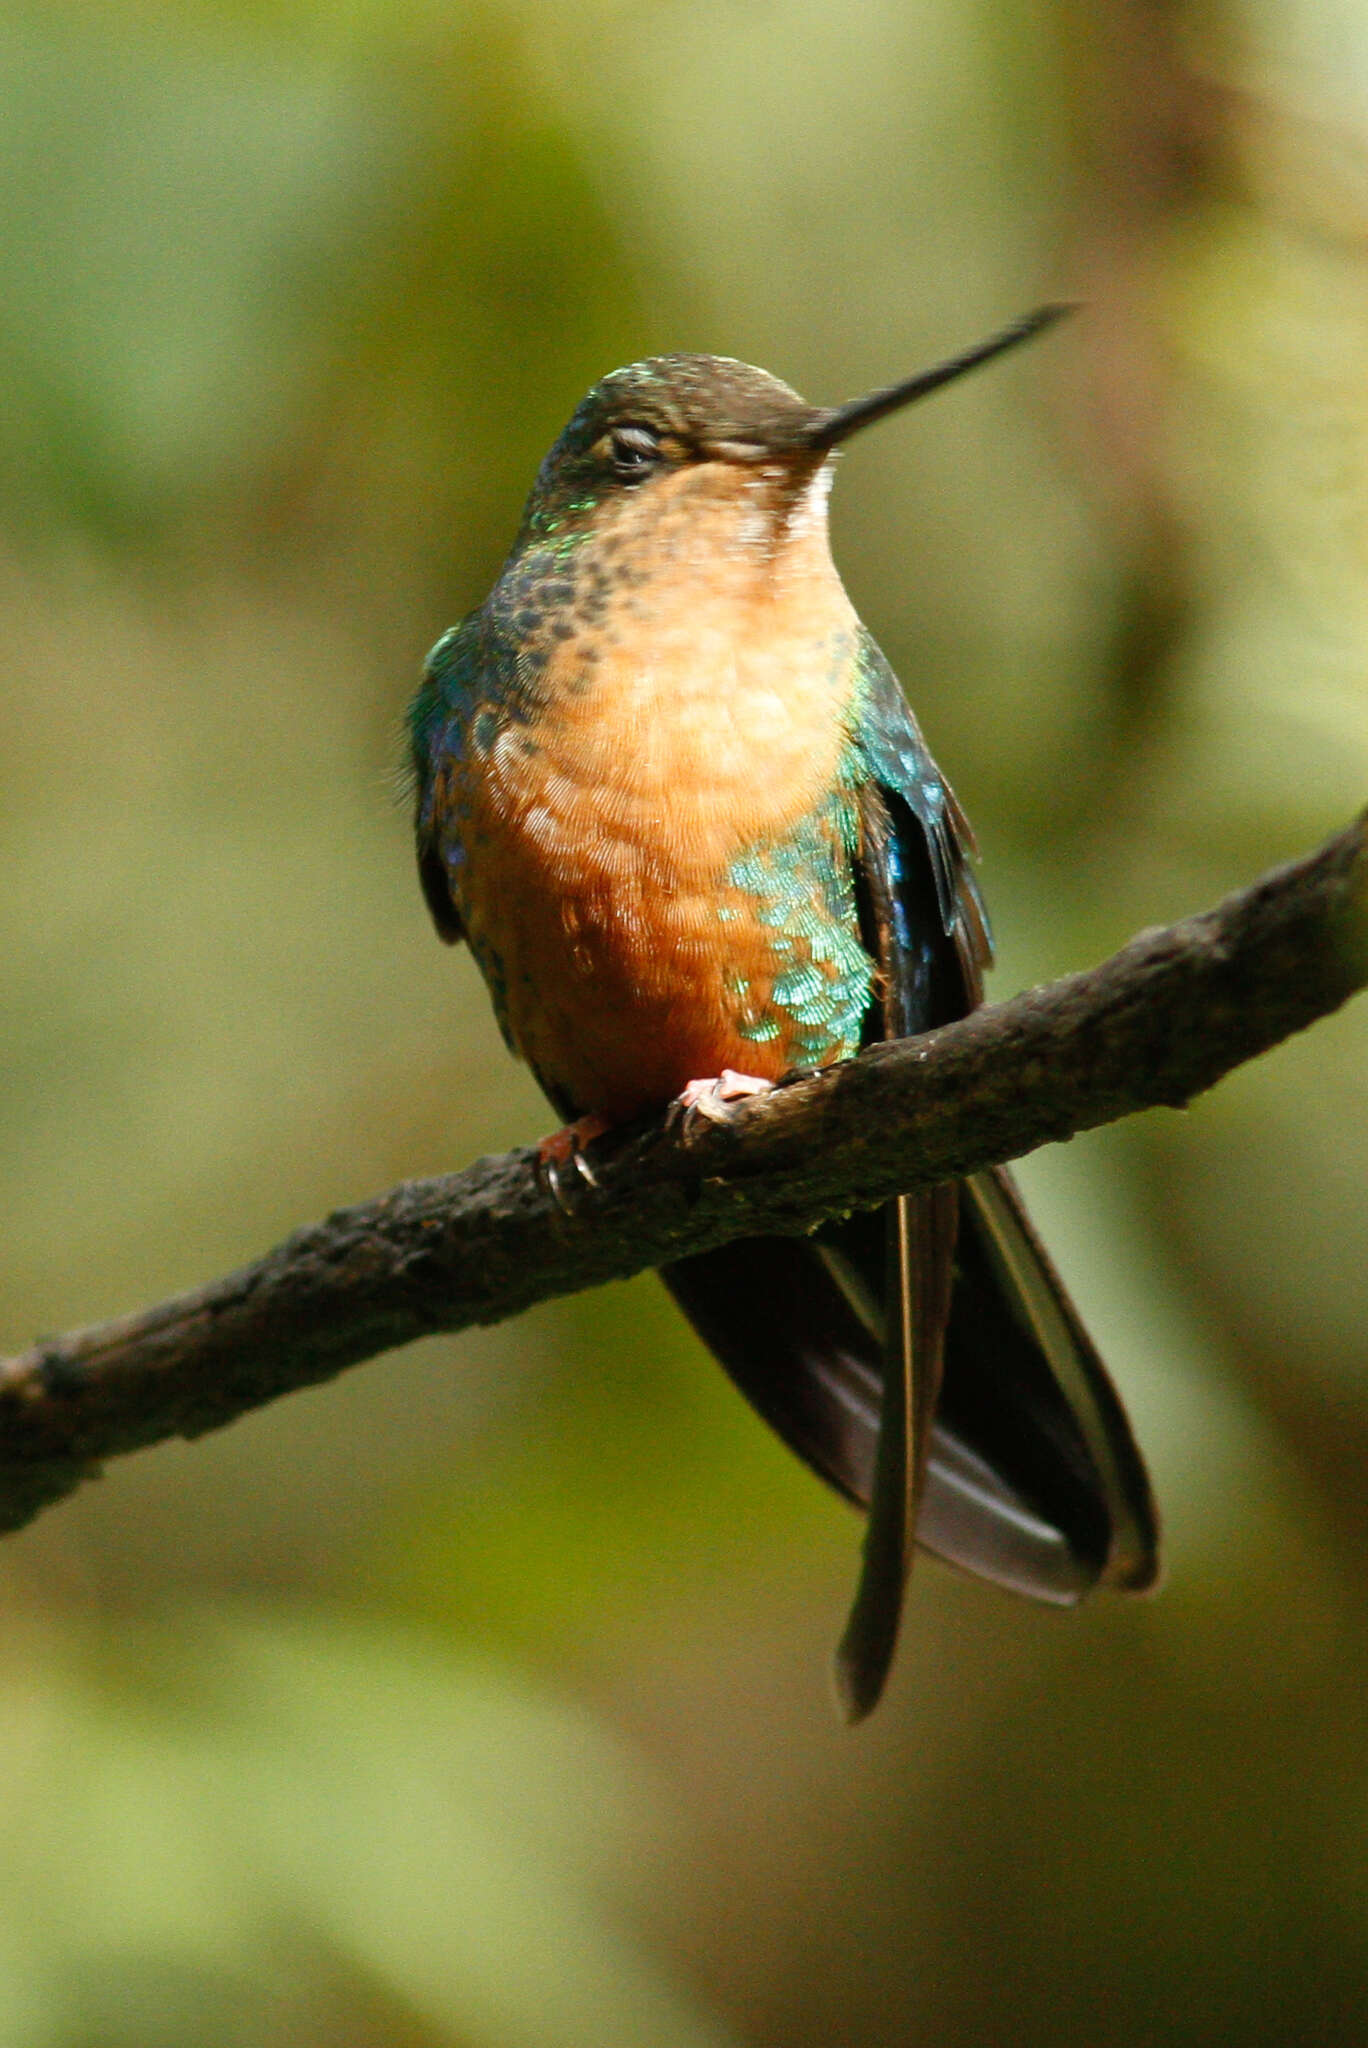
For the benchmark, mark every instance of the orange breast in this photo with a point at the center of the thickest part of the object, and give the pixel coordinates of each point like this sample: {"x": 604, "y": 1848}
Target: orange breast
{"x": 705, "y": 716}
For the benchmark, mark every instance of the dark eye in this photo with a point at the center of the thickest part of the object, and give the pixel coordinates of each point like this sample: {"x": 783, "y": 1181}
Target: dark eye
{"x": 633, "y": 451}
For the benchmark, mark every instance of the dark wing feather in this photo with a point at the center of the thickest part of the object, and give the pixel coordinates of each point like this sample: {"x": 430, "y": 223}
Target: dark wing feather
{"x": 436, "y": 726}
{"x": 1030, "y": 1476}
{"x": 1024, "y": 1388}
{"x": 436, "y": 886}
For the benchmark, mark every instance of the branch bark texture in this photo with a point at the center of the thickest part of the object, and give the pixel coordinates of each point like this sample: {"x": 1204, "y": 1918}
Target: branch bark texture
{"x": 1156, "y": 1024}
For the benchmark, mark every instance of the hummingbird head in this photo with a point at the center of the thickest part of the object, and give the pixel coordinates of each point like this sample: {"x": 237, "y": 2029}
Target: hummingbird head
{"x": 630, "y": 444}
{"x": 673, "y": 424}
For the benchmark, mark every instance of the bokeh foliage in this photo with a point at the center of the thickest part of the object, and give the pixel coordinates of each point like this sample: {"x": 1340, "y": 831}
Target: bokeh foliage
{"x": 478, "y": 1700}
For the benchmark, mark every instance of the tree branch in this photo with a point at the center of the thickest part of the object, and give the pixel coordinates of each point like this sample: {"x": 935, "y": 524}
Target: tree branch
{"x": 1159, "y": 1022}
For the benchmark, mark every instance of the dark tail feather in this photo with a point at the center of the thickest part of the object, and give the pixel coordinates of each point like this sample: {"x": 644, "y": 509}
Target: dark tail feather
{"x": 798, "y": 1347}
{"x": 1057, "y": 1428}
{"x": 1033, "y": 1479}
{"x": 918, "y": 1267}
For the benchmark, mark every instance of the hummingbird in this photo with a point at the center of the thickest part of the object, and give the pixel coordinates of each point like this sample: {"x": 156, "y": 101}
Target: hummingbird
{"x": 670, "y": 792}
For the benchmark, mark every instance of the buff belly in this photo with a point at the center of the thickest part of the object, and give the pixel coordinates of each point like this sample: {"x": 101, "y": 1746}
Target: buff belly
{"x": 645, "y": 921}
{"x": 621, "y": 984}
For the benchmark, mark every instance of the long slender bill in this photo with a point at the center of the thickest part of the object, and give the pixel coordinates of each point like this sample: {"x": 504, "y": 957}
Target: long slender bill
{"x": 827, "y": 428}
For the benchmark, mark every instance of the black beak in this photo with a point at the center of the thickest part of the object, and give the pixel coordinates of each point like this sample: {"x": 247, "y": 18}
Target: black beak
{"x": 824, "y": 429}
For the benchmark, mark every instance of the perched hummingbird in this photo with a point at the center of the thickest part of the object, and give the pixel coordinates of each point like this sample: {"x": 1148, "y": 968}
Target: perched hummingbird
{"x": 669, "y": 790}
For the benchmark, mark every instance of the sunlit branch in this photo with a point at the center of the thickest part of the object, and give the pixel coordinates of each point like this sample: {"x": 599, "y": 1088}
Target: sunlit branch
{"x": 1156, "y": 1024}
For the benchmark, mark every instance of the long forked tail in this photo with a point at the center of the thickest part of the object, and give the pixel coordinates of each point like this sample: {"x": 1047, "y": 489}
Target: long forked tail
{"x": 1033, "y": 1478}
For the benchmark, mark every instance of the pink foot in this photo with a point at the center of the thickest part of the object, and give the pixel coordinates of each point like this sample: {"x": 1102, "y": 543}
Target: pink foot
{"x": 728, "y": 1086}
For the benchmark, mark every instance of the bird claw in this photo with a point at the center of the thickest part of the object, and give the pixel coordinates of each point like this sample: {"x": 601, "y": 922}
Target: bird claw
{"x": 564, "y": 1149}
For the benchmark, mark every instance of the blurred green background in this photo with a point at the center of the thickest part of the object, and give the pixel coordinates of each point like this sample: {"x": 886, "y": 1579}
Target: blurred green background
{"x": 480, "y": 1700}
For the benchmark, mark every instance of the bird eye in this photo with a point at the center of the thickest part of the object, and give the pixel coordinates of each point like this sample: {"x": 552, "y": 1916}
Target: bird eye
{"x": 633, "y": 452}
